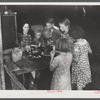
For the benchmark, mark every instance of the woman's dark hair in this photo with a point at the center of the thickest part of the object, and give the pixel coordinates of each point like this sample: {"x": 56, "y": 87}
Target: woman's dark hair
{"x": 25, "y": 23}
{"x": 62, "y": 45}
{"x": 50, "y": 20}
{"x": 66, "y": 22}
{"x": 77, "y": 32}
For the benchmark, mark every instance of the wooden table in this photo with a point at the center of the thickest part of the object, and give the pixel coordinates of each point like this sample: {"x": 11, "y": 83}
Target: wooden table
{"x": 25, "y": 66}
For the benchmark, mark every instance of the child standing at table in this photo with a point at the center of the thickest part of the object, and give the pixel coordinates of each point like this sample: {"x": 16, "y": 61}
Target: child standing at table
{"x": 81, "y": 73}
{"x": 61, "y": 79}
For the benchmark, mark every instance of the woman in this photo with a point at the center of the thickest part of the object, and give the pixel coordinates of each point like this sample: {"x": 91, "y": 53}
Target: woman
{"x": 65, "y": 27}
{"x": 81, "y": 74}
{"x": 61, "y": 66}
{"x": 25, "y": 38}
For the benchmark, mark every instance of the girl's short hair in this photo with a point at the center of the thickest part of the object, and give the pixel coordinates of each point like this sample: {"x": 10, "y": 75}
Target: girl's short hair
{"x": 66, "y": 22}
{"x": 62, "y": 45}
{"x": 77, "y": 32}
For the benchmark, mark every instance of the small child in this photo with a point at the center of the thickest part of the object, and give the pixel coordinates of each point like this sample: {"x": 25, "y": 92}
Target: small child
{"x": 37, "y": 40}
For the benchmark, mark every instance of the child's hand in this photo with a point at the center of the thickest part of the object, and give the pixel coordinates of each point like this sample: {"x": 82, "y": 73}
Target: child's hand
{"x": 52, "y": 53}
{"x": 39, "y": 45}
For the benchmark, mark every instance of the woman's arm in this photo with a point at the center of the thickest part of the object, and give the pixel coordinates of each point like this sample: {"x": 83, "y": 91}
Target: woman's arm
{"x": 51, "y": 67}
{"x": 53, "y": 61}
{"x": 89, "y": 48}
{"x": 76, "y": 53}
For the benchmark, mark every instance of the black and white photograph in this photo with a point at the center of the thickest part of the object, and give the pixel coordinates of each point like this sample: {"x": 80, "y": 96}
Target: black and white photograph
{"x": 53, "y": 47}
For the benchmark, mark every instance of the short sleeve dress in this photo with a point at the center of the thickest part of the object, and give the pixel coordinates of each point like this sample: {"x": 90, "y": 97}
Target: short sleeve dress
{"x": 61, "y": 77}
{"x": 81, "y": 73}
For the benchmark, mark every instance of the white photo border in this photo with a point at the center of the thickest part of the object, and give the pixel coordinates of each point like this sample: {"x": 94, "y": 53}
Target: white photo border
{"x": 8, "y": 94}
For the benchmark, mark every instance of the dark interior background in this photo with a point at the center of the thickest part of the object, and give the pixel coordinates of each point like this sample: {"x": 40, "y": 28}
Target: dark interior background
{"x": 38, "y": 14}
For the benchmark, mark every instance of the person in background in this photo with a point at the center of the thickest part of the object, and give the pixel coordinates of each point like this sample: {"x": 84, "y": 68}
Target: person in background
{"x": 81, "y": 73}
{"x": 65, "y": 27}
{"x": 60, "y": 64}
{"x": 56, "y": 34}
{"x": 51, "y": 24}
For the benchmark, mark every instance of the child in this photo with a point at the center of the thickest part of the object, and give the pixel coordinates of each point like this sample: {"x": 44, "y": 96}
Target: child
{"x": 61, "y": 66}
{"x": 37, "y": 40}
{"x": 81, "y": 73}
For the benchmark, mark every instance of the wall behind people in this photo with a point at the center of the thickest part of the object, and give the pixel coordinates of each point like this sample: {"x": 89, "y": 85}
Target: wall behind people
{"x": 39, "y": 14}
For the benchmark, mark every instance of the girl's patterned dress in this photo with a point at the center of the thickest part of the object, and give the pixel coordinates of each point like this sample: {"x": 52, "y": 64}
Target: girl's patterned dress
{"x": 61, "y": 76}
{"x": 81, "y": 74}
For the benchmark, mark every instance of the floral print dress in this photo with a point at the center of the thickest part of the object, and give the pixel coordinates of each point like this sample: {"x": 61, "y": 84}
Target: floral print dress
{"x": 61, "y": 76}
{"x": 81, "y": 74}
{"x": 26, "y": 40}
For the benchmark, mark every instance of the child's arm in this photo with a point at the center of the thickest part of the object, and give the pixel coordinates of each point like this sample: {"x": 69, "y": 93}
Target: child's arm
{"x": 76, "y": 53}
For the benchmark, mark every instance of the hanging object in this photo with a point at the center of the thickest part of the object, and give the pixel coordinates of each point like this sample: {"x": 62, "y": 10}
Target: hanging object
{"x": 5, "y": 12}
{"x": 84, "y": 11}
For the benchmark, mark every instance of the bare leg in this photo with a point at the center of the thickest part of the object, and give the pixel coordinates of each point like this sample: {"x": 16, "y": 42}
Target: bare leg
{"x": 79, "y": 88}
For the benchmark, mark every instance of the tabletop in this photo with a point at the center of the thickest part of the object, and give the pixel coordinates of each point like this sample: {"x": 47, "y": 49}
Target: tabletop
{"x": 26, "y": 65}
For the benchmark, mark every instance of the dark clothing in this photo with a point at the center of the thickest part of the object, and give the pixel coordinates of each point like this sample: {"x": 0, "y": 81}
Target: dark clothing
{"x": 37, "y": 41}
{"x": 56, "y": 34}
{"x": 47, "y": 41}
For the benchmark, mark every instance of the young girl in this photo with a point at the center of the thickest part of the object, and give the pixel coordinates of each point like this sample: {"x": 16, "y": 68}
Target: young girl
{"x": 81, "y": 73}
{"x": 61, "y": 66}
